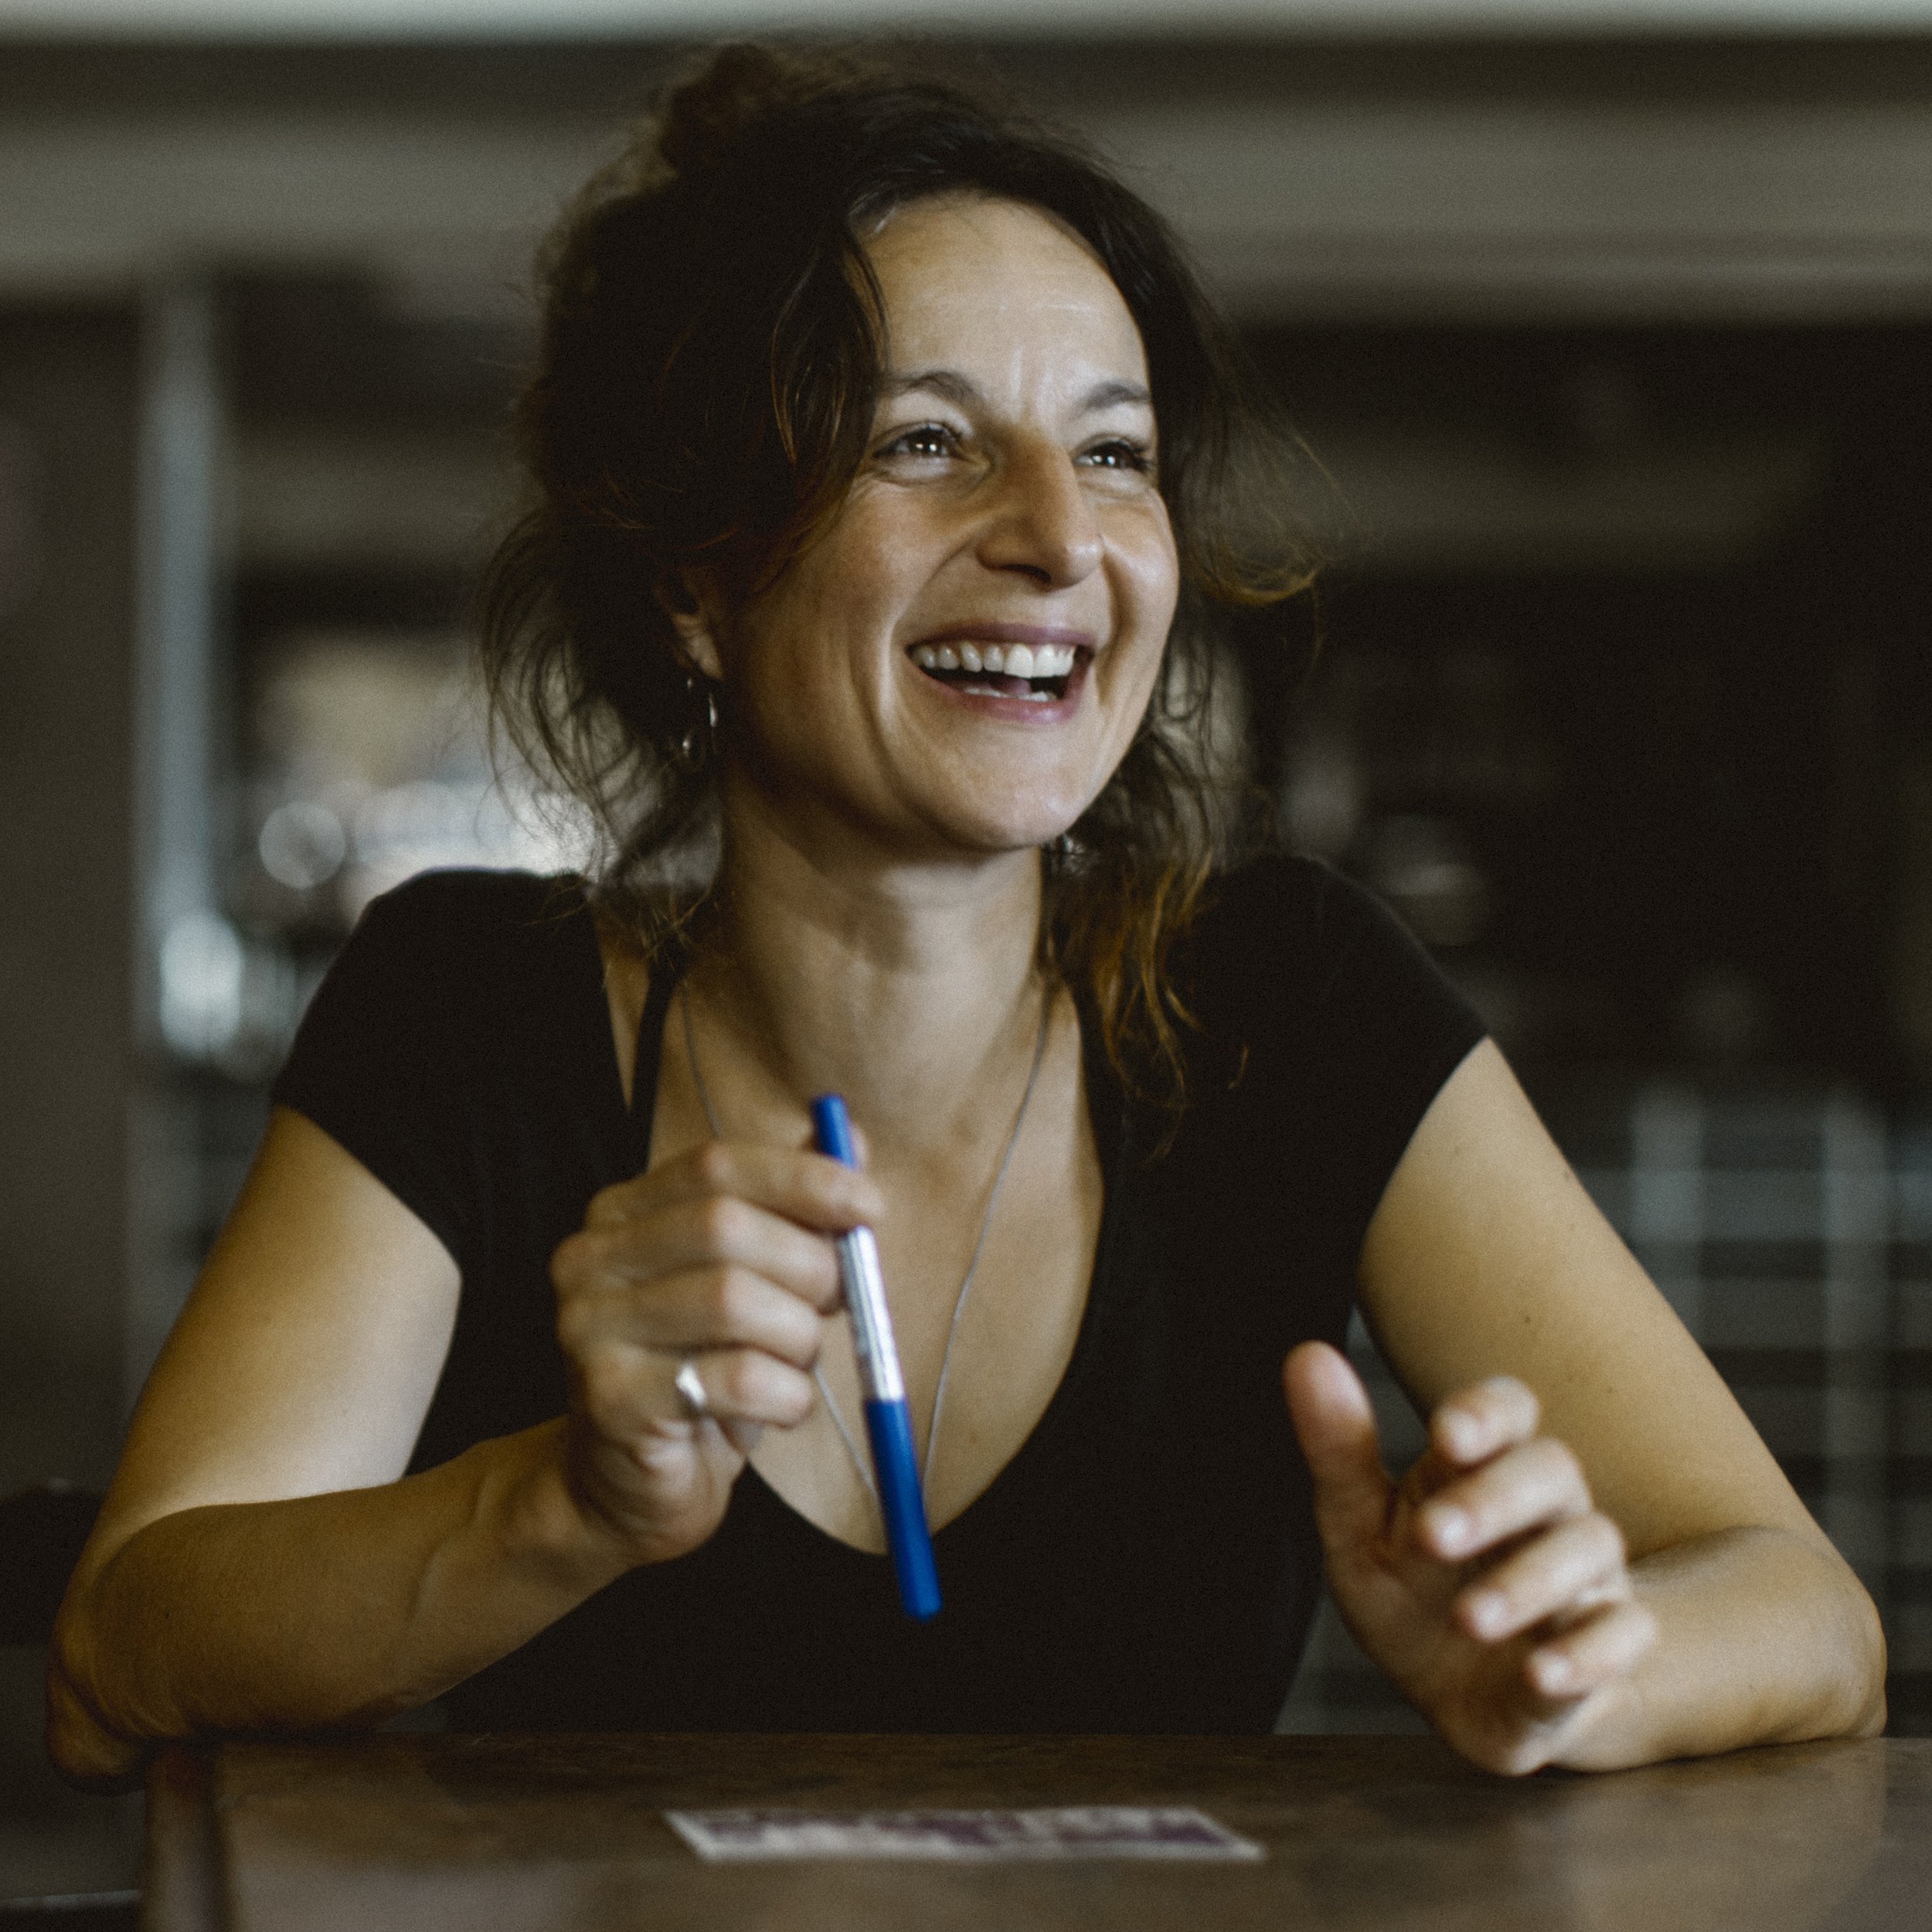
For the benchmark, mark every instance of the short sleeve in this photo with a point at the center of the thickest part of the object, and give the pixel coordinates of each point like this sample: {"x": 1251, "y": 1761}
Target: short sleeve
{"x": 1335, "y": 1028}
{"x": 1392, "y": 1030}
{"x": 384, "y": 1057}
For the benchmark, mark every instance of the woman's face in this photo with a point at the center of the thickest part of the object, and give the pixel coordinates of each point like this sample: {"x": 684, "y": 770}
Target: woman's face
{"x": 1007, "y": 510}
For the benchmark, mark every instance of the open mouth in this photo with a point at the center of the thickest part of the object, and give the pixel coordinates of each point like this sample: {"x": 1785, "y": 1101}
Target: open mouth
{"x": 1038, "y": 673}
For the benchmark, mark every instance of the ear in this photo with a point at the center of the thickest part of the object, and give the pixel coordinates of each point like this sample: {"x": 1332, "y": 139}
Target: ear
{"x": 693, "y": 610}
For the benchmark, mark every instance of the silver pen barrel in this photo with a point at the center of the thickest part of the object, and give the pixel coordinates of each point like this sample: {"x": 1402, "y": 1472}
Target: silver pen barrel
{"x": 872, "y": 1322}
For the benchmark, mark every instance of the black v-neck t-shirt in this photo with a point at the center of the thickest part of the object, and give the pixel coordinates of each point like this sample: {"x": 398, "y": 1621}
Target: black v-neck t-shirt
{"x": 1147, "y": 1560}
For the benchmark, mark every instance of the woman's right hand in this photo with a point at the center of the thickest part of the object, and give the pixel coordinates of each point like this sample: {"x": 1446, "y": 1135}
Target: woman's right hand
{"x": 722, "y": 1257}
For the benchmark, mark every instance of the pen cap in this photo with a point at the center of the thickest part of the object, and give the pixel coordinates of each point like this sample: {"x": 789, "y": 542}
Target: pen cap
{"x": 831, "y": 1130}
{"x": 902, "y": 1509}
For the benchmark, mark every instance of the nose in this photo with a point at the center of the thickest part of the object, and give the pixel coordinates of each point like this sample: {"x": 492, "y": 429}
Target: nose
{"x": 1042, "y": 523}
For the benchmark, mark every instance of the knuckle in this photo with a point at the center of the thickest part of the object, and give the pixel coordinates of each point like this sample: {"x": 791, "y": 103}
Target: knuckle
{"x": 722, "y": 1224}
{"x": 604, "y": 1378}
{"x": 730, "y": 1377}
{"x": 740, "y": 1380}
{"x": 711, "y": 1165}
{"x": 732, "y": 1298}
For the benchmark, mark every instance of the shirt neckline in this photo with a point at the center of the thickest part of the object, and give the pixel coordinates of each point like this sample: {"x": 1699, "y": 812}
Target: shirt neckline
{"x": 1112, "y": 1124}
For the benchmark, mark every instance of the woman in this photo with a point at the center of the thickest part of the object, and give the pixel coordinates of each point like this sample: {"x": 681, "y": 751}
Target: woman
{"x": 878, "y": 443}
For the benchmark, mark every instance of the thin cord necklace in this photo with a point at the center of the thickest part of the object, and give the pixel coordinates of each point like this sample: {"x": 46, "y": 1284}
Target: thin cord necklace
{"x": 972, "y": 1266}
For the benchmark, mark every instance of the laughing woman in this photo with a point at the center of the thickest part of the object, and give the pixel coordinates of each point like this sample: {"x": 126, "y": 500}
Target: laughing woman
{"x": 876, "y": 442}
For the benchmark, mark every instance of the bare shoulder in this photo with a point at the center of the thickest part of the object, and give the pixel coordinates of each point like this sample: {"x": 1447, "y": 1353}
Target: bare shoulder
{"x": 1487, "y": 1257}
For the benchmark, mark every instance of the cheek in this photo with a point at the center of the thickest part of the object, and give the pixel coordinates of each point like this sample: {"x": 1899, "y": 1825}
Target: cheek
{"x": 802, "y": 665}
{"x": 1150, "y": 567}
{"x": 1149, "y": 590}
{"x": 826, "y": 615}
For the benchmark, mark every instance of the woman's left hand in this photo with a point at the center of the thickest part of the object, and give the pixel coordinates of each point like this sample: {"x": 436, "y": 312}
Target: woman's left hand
{"x": 1486, "y": 1584}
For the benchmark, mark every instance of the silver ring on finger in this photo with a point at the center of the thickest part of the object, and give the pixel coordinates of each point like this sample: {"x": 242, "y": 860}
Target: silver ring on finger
{"x": 690, "y": 1387}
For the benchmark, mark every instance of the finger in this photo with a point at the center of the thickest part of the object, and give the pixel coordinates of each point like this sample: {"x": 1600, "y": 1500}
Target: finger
{"x": 1336, "y": 1428}
{"x": 1534, "y": 1483}
{"x": 1574, "y": 1567}
{"x": 812, "y": 1189}
{"x": 1592, "y": 1653}
{"x": 747, "y": 1386}
{"x": 1468, "y": 1428}
{"x": 631, "y": 1391}
{"x": 1483, "y": 1420}
{"x": 714, "y": 1307}
{"x": 724, "y": 1229}
{"x": 710, "y": 1232}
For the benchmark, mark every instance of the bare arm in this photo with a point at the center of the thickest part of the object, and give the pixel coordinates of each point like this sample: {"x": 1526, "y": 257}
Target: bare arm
{"x": 262, "y": 1563}
{"x": 259, "y": 1563}
{"x": 1653, "y": 1587}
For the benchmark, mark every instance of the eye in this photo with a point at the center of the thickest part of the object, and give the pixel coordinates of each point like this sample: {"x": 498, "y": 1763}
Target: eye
{"x": 1120, "y": 453}
{"x": 927, "y": 440}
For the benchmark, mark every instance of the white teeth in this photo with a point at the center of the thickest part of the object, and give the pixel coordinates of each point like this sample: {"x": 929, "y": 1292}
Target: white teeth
{"x": 1034, "y": 661}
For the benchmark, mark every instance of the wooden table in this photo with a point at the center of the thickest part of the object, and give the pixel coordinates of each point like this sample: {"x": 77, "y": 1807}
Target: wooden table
{"x": 529, "y": 1833}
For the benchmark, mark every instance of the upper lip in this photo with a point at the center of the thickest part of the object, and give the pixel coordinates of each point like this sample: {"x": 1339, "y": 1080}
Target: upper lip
{"x": 973, "y": 632}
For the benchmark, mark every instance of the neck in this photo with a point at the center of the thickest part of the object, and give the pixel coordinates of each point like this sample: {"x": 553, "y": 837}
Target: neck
{"x": 908, "y": 988}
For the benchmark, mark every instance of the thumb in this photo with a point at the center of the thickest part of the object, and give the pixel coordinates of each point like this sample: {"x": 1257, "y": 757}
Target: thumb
{"x": 1336, "y": 1427}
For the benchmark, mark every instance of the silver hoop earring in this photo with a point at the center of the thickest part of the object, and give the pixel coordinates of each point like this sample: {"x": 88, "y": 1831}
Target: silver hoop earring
{"x": 698, "y": 739}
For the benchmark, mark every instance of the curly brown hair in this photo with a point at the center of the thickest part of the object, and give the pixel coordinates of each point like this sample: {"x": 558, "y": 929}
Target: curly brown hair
{"x": 708, "y": 375}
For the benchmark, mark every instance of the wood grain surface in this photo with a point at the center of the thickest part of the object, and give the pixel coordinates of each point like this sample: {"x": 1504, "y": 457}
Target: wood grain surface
{"x": 560, "y": 1834}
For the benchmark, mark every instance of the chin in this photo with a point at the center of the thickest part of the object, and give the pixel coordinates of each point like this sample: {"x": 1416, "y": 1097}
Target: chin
{"x": 1011, "y": 832}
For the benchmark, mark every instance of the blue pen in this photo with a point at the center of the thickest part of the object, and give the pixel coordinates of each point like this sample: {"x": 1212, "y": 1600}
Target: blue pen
{"x": 888, "y": 1422}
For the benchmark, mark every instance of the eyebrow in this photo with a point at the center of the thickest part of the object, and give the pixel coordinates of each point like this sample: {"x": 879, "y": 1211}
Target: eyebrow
{"x": 963, "y": 390}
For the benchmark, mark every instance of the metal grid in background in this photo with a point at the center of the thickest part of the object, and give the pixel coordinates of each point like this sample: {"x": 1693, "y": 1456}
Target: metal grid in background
{"x": 1791, "y": 1230}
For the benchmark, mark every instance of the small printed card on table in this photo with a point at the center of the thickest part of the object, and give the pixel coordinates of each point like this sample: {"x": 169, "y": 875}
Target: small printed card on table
{"x": 1080, "y": 1831}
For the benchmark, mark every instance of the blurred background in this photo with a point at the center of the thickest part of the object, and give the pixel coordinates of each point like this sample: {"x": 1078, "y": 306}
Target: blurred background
{"x": 1610, "y": 322}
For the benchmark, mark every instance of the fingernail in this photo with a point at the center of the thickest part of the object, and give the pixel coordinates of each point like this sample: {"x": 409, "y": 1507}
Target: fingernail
{"x": 1449, "y": 1527}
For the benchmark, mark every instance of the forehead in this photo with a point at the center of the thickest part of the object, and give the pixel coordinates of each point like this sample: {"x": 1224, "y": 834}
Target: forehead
{"x": 967, "y": 277}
